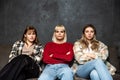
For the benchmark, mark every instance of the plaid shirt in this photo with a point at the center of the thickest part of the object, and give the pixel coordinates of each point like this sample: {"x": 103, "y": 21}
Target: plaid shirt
{"x": 17, "y": 50}
{"x": 102, "y": 53}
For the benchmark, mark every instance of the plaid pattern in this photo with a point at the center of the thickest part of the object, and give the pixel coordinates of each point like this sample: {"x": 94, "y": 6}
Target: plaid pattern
{"x": 101, "y": 53}
{"x": 17, "y": 50}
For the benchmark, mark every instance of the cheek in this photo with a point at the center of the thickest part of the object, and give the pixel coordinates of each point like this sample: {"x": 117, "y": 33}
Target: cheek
{"x": 34, "y": 36}
{"x": 55, "y": 34}
{"x": 92, "y": 34}
{"x": 63, "y": 34}
{"x": 86, "y": 35}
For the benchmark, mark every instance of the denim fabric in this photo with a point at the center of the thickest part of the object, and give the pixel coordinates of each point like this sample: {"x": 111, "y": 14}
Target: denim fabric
{"x": 53, "y": 71}
{"x": 94, "y": 75}
{"x": 95, "y": 70}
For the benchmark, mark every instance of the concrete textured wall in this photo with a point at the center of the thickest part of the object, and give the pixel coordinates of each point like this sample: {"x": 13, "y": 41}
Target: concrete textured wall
{"x": 73, "y": 14}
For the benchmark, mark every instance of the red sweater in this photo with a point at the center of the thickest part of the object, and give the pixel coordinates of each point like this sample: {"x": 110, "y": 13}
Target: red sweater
{"x": 59, "y": 53}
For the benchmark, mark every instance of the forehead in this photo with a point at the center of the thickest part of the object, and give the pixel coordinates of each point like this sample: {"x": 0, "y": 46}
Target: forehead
{"x": 31, "y": 31}
{"x": 60, "y": 29}
{"x": 89, "y": 28}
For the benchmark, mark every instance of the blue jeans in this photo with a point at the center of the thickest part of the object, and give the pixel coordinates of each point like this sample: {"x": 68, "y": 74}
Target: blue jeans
{"x": 53, "y": 71}
{"x": 95, "y": 70}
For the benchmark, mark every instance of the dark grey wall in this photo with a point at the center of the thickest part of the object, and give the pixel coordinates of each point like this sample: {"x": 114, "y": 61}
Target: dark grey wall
{"x": 46, "y": 14}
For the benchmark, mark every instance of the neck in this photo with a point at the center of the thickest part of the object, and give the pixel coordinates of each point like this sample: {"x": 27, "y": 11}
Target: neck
{"x": 28, "y": 44}
{"x": 89, "y": 41}
{"x": 59, "y": 41}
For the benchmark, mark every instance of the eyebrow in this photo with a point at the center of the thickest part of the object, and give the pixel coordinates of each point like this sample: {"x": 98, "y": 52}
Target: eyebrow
{"x": 60, "y": 31}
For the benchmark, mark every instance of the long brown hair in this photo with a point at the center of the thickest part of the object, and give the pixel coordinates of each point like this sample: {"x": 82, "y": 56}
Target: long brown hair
{"x": 94, "y": 42}
{"x": 29, "y": 27}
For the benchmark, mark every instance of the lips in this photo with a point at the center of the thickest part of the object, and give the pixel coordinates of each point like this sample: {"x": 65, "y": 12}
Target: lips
{"x": 31, "y": 38}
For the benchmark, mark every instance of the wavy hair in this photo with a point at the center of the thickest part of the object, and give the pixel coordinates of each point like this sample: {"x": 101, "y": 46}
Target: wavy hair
{"x": 94, "y": 42}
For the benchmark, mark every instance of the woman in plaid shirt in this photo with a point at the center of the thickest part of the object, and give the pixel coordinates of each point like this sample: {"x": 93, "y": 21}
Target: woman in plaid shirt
{"x": 90, "y": 55}
{"x": 25, "y": 57}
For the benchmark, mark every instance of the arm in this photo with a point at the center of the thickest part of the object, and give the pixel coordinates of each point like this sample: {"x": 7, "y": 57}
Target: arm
{"x": 80, "y": 57}
{"x": 55, "y": 53}
{"x": 38, "y": 53}
{"x": 46, "y": 54}
{"x": 14, "y": 51}
{"x": 103, "y": 51}
{"x": 67, "y": 56}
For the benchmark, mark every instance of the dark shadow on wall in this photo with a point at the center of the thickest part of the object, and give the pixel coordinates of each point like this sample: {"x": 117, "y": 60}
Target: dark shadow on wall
{"x": 73, "y": 14}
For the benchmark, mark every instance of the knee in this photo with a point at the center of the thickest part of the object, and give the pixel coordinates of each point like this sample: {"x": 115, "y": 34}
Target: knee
{"x": 66, "y": 74}
{"x": 44, "y": 76}
{"x": 68, "y": 71}
{"x": 99, "y": 61}
{"x": 93, "y": 74}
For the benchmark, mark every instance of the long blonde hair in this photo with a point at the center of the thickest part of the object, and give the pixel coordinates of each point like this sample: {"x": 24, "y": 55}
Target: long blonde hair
{"x": 54, "y": 38}
{"x": 94, "y": 42}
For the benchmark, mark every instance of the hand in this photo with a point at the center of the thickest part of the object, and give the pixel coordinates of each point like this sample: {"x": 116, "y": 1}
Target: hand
{"x": 51, "y": 55}
{"x": 90, "y": 55}
{"x": 32, "y": 54}
{"x": 68, "y": 53}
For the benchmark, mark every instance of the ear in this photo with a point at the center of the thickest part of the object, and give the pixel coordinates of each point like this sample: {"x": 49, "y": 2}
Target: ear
{"x": 24, "y": 35}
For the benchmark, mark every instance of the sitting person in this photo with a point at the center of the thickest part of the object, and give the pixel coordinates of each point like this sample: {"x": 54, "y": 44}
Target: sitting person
{"x": 57, "y": 56}
{"x": 24, "y": 59}
{"x": 91, "y": 57}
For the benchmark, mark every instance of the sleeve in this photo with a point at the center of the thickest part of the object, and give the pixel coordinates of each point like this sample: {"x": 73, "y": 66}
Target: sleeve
{"x": 103, "y": 51}
{"x": 66, "y": 58}
{"x": 77, "y": 48}
{"x": 46, "y": 53}
{"x": 13, "y": 52}
{"x": 38, "y": 56}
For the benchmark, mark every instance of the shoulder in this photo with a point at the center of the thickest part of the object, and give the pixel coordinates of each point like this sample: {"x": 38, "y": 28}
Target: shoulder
{"x": 39, "y": 45}
{"x": 49, "y": 43}
{"x": 102, "y": 44}
{"x": 69, "y": 44}
{"x": 77, "y": 42}
{"x": 19, "y": 42}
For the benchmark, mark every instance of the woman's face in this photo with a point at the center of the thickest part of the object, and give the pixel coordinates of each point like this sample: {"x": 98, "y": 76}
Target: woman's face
{"x": 60, "y": 33}
{"x": 30, "y": 36}
{"x": 89, "y": 33}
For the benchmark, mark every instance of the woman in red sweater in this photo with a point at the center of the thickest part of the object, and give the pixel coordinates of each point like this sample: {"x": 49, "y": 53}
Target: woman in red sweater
{"x": 58, "y": 54}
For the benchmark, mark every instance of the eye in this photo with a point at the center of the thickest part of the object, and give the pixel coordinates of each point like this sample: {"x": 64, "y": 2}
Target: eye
{"x": 62, "y": 31}
{"x": 56, "y": 31}
{"x": 28, "y": 33}
{"x": 92, "y": 31}
{"x": 86, "y": 31}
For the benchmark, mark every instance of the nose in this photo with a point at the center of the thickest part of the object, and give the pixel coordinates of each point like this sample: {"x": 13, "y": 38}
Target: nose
{"x": 59, "y": 33}
{"x": 89, "y": 33}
